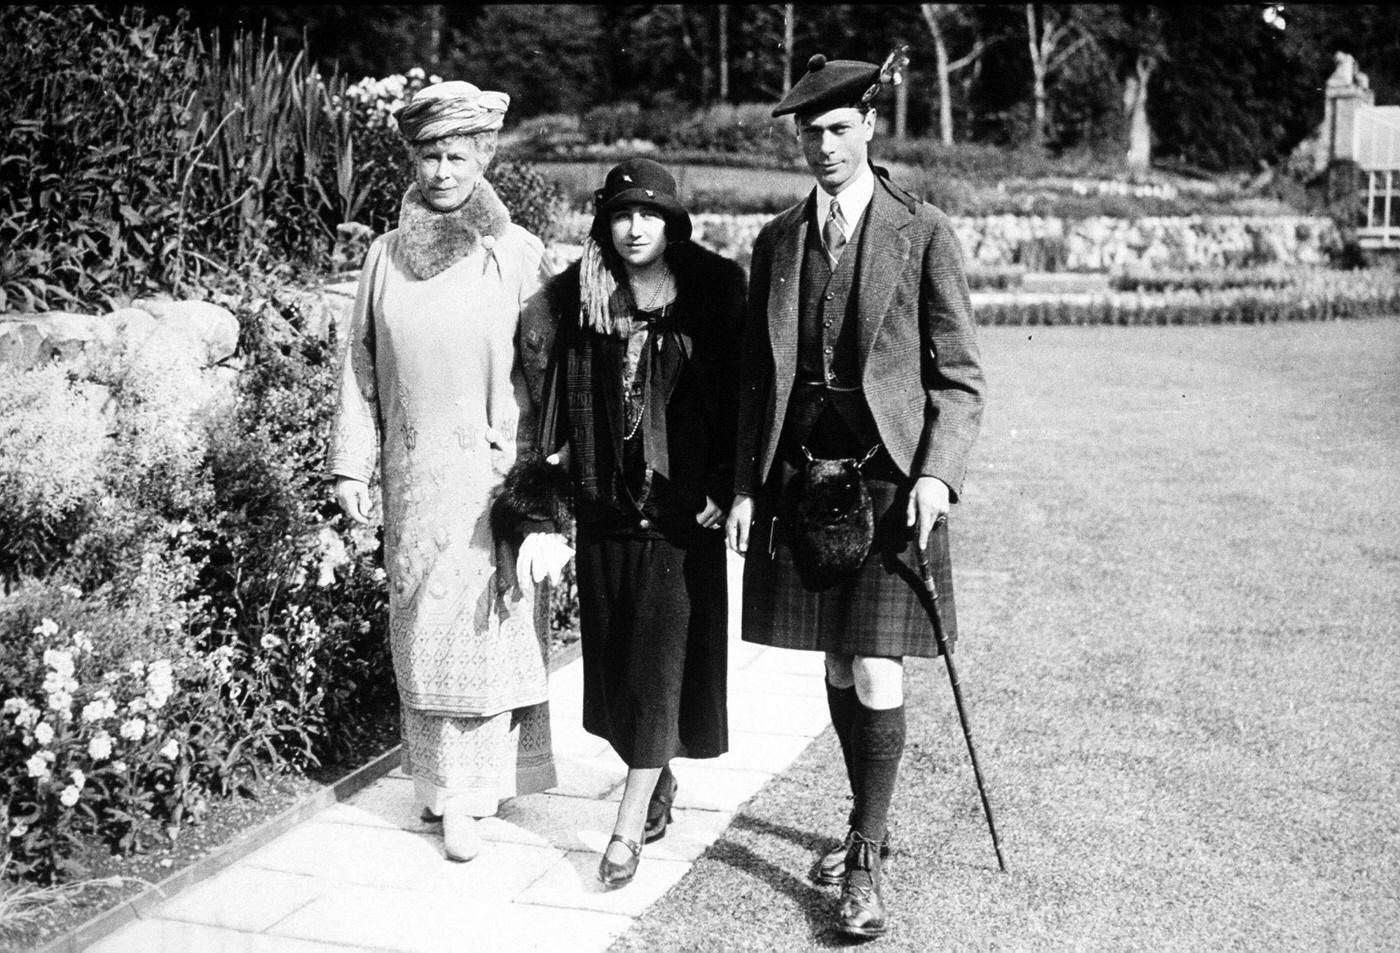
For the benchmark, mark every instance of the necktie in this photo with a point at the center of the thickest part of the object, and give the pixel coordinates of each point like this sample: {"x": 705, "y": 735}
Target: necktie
{"x": 834, "y": 231}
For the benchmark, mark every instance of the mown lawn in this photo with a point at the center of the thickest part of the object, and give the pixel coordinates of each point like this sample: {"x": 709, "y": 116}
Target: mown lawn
{"x": 1179, "y": 583}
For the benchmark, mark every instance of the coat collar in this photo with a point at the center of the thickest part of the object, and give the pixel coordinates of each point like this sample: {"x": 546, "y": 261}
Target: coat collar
{"x": 430, "y": 241}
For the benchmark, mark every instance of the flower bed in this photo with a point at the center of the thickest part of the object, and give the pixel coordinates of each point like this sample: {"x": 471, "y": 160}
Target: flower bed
{"x": 1095, "y": 244}
{"x": 1316, "y": 296}
{"x": 183, "y": 613}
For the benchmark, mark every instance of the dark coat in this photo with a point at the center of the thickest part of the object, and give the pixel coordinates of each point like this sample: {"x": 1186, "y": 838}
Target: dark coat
{"x": 917, "y": 349}
{"x": 701, "y": 412}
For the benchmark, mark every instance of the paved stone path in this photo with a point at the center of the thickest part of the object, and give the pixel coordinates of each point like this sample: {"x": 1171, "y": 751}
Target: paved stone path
{"x": 367, "y": 874}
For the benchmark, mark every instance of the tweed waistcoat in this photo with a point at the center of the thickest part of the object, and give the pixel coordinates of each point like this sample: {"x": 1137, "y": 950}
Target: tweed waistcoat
{"x": 827, "y": 353}
{"x": 826, "y": 339}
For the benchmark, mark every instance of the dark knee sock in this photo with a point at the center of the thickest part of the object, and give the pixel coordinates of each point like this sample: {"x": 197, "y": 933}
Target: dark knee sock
{"x": 842, "y": 704}
{"x": 877, "y": 741}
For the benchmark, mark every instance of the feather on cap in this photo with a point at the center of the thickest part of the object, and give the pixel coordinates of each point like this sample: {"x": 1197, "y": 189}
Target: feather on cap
{"x": 891, "y": 72}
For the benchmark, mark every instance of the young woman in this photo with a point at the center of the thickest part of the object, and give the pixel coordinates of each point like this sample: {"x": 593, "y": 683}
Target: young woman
{"x": 638, "y": 409}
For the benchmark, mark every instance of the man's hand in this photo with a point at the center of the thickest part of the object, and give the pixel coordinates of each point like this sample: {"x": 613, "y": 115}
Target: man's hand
{"x": 928, "y": 506}
{"x": 736, "y": 528}
{"x": 711, "y": 517}
{"x": 353, "y": 497}
{"x": 542, "y": 556}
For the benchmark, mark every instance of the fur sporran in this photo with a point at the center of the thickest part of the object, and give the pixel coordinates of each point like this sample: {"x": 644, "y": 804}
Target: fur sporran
{"x": 829, "y": 518}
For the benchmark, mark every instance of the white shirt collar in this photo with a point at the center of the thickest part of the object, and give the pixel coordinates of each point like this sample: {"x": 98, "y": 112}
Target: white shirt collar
{"x": 854, "y": 197}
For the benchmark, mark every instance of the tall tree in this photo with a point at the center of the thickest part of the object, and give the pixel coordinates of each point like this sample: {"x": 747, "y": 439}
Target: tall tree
{"x": 938, "y": 17}
{"x": 723, "y": 45}
{"x": 547, "y": 56}
{"x": 1054, "y": 36}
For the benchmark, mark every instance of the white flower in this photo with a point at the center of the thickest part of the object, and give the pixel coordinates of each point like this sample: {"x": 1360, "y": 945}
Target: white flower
{"x": 69, "y": 796}
{"x": 37, "y": 766}
{"x": 270, "y": 642}
{"x": 136, "y": 706}
{"x": 71, "y": 591}
{"x": 133, "y": 729}
{"x": 81, "y": 642}
{"x": 79, "y": 779}
{"x": 58, "y": 682}
{"x": 61, "y": 701}
{"x": 416, "y": 73}
{"x": 28, "y": 716}
{"x": 60, "y": 661}
{"x": 137, "y": 668}
{"x": 160, "y": 683}
{"x": 14, "y": 705}
{"x": 170, "y": 749}
{"x": 98, "y": 709}
{"x": 100, "y": 747}
{"x": 46, "y": 628}
{"x": 119, "y": 766}
{"x": 19, "y": 830}
{"x": 43, "y": 732}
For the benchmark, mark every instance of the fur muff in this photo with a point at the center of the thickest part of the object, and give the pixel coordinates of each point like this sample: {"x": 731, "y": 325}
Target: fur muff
{"x": 829, "y": 518}
{"x": 534, "y": 491}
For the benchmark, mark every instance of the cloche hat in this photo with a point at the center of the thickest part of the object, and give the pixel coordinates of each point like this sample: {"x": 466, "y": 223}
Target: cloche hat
{"x": 640, "y": 182}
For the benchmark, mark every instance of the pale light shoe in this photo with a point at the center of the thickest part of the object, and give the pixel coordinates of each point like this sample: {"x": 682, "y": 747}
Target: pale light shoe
{"x": 461, "y": 839}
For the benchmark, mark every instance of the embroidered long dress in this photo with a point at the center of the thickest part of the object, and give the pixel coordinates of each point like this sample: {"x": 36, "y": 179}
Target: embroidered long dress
{"x": 432, "y": 391}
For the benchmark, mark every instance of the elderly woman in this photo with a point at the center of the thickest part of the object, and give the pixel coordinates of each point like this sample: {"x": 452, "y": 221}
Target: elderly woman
{"x": 432, "y": 392}
{"x": 639, "y": 409}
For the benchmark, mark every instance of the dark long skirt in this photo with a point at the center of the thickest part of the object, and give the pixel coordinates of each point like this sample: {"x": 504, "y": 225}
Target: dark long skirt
{"x": 880, "y": 610}
{"x": 654, "y": 621}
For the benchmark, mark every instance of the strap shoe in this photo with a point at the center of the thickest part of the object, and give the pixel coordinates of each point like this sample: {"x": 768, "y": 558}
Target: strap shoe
{"x": 659, "y": 809}
{"x": 620, "y": 875}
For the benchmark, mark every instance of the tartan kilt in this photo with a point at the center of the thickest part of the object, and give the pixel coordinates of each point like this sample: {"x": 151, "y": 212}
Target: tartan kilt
{"x": 880, "y": 610}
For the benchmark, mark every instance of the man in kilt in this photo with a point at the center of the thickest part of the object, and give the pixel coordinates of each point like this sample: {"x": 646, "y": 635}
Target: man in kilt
{"x": 859, "y": 336}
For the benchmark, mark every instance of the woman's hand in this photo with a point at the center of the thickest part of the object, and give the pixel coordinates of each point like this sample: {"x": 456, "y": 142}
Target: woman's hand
{"x": 712, "y": 516}
{"x": 736, "y": 528}
{"x": 353, "y": 497}
{"x": 542, "y": 556}
{"x": 560, "y": 458}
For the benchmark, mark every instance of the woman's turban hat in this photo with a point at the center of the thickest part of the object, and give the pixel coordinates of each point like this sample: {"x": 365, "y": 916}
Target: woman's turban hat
{"x": 451, "y": 109}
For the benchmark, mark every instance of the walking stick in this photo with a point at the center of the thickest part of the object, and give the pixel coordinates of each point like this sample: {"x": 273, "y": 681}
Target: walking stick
{"x": 942, "y": 640}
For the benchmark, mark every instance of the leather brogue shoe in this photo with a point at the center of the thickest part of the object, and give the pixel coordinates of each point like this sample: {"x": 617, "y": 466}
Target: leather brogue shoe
{"x": 862, "y": 910}
{"x": 620, "y": 875}
{"x": 659, "y": 808}
{"x": 830, "y": 867}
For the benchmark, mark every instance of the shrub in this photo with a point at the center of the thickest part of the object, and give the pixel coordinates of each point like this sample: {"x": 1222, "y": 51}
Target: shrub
{"x": 609, "y": 122}
{"x": 52, "y": 443}
{"x": 727, "y": 128}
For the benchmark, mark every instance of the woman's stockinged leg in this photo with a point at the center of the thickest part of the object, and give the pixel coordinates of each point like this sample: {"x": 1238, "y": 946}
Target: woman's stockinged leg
{"x": 632, "y": 811}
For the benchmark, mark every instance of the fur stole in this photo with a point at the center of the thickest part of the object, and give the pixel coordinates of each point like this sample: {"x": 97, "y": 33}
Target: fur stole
{"x": 433, "y": 241}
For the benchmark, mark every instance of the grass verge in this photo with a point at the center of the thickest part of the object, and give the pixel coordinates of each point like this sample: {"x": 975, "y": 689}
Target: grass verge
{"x": 1177, "y": 560}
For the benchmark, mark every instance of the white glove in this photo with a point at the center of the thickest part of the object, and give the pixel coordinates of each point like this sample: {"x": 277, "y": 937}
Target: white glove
{"x": 542, "y": 556}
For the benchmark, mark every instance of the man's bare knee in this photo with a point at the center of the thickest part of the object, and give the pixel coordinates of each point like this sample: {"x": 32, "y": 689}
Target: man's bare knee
{"x": 879, "y": 681}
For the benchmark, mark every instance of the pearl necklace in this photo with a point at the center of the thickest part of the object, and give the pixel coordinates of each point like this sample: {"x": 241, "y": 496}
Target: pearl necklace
{"x": 656, "y": 291}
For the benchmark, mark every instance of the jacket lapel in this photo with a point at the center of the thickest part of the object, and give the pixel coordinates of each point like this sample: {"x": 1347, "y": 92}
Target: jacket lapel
{"x": 784, "y": 295}
{"x": 884, "y": 251}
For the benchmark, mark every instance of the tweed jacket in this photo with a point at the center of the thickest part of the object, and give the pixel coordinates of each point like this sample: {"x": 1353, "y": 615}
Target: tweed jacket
{"x": 916, "y": 346}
